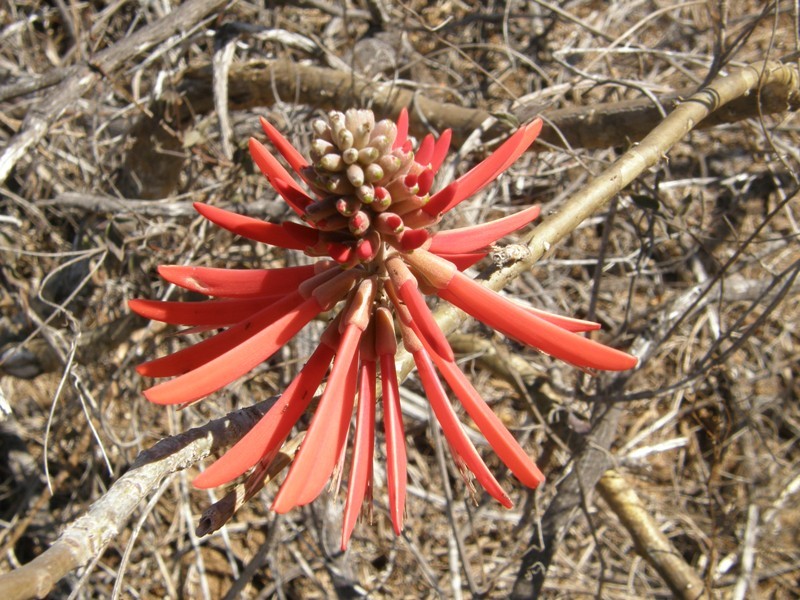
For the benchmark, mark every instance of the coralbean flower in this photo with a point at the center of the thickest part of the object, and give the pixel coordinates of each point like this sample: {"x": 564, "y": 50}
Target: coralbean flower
{"x": 366, "y": 208}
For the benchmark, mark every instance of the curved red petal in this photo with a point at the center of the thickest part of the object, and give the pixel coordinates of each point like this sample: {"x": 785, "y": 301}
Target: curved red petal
{"x": 317, "y": 456}
{"x": 440, "y": 149}
{"x": 295, "y": 197}
{"x": 273, "y": 428}
{"x": 470, "y": 239}
{"x": 451, "y": 427}
{"x": 197, "y": 355}
{"x": 424, "y": 153}
{"x": 423, "y": 318}
{"x": 396, "y": 461}
{"x": 282, "y": 145}
{"x": 489, "y": 424}
{"x": 363, "y": 449}
{"x": 568, "y": 323}
{"x": 234, "y": 362}
{"x": 516, "y": 322}
{"x": 214, "y": 313}
{"x": 288, "y": 235}
{"x": 462, "y": 261}
{"x": 279, "y": 177}
{"x": 484, "y": 172}
{"x": 402, "y": 129}
{"x": 237, "y": 283}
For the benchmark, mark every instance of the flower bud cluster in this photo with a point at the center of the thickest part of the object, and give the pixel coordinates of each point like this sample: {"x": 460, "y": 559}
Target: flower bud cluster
{"x": 368, "y": 183}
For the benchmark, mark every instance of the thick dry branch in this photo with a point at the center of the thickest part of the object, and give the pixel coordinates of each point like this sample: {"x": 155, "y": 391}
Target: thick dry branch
{"x": 651, "y": 544}
{"x": 598, "y": 126}
{"x": 155, "y": 160}
{"x": 81, "y": 78}
{"x": 89, "y": 535}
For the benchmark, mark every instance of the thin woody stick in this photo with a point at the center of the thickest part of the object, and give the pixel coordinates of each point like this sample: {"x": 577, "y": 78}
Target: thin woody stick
{"x": 651, "y": 544}
{"x": 88, "y": 536}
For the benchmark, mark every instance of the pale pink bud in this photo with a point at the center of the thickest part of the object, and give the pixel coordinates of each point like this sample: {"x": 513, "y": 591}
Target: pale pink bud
{"x": 320, "y": 148}
{"x": 355, "y": 174}
{"x": 350, "y": 156}
{"x": 347, "y": 206}
{"x": 359, "y": 223}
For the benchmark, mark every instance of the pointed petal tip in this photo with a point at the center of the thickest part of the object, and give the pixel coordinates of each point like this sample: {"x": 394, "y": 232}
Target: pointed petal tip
{"x": 154, "y": 395}
{"x": 136, "y": 305}
{"x": 515, "y": 321}
{"x": 203, "y": 482}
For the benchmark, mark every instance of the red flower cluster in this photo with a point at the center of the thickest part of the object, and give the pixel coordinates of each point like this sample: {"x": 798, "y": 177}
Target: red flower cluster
{"x": 367, "y": 214}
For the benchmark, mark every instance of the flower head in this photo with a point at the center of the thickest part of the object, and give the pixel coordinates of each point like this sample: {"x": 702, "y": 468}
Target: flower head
{"x": 367, "y": 209}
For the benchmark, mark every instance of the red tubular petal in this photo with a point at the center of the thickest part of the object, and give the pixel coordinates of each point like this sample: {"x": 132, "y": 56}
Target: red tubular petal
{"x": 463, "y": 261}
{"x": 216, "y": 313}
{"x": 425, "y": 181}
{"x": 486, "y": 171}
{"x": 273, "y": 428}
{"x": 282, "y": 145}
{"x": 291, "y": 236}
{"x": 423, "y": 318}
{"x": 411, "y": 239}
{"x": 451, "y": 427}
{"x": 339, "y": 252}
{"x": 195, "y": 356}
{"x": 237, "y": 283}
{"x": 532, "y": 131}
{"x": 314, "y": 462}
{"x": 492, "y": 428}
{"x": 396, "y": 461}
{"x": 363, "y": 449}
{"x": 440, "y": 150}
{"x": 294, "y": 195}
{"x": 402, "y": 129}
{"x": 224, "y": 367}
{"x": 424, "y": 153}
{"x": 470, "y": 239}
{"x": 516, "y": 322}
{"x": 568, "y": 323}
{"x": 441, "y": 200}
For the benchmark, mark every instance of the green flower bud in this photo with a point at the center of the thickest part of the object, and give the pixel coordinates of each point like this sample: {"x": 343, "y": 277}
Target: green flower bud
{"x": 347, "y": 205}
{"x": 368, "y": 155}
{"x": 373, "y": 172}
{"x": 338, "y": 184}
{"x": 359, "y": 223}
{"x": 365, "y": 193}
{"x": 390, "y": 164}
{"x": 332, "y": 162}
